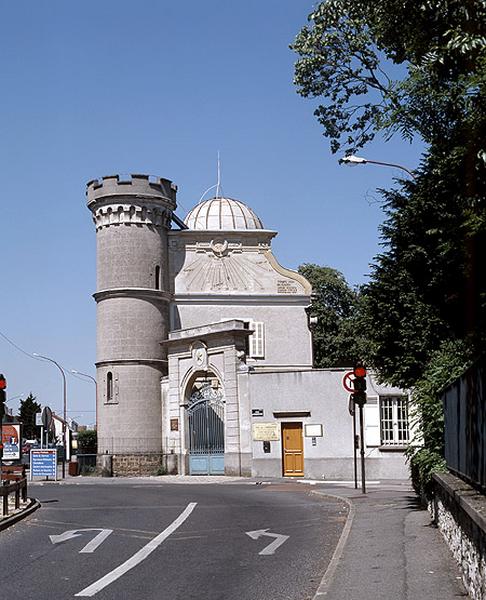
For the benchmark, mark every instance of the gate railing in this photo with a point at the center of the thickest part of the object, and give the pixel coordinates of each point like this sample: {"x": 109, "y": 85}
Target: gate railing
{"x": 206, "y": 427}
{"x": 465, "y": 425}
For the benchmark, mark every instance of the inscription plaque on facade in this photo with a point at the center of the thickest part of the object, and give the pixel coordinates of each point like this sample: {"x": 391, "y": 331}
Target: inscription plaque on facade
{"x": 174, "y": 424}
{"x": 266, "y": 432}
{"x": 286, "y": 287}
{"x": 313, "y": 430}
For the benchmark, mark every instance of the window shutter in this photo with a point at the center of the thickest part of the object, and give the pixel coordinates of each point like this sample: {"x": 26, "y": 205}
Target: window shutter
{"x": 257, "y": 339}
{"x": 372, "y": 422}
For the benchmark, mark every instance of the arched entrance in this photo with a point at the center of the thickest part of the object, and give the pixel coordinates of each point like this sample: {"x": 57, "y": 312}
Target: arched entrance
{"x": 205, "y": 426}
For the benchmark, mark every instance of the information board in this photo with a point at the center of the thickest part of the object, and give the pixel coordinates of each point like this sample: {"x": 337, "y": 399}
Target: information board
{"x": 266, "y": 432}
{"x": 43, "y": 463}
{"x": 313, "y": 430}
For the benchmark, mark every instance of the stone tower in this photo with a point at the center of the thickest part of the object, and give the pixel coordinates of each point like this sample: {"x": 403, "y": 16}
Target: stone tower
{"x": 132, "y": 216}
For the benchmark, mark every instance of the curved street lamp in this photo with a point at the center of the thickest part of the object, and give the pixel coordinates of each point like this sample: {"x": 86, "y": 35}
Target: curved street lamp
{"x": 64, "y": 406}
{"x": 358, "y": 160}
{"x": 96, "y": 389}
{"x": 21, "y": 396}
{"x": 84, "y": 375}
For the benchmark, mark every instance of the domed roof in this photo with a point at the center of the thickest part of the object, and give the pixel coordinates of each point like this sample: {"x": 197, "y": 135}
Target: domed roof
{"x": 222, "y": 214}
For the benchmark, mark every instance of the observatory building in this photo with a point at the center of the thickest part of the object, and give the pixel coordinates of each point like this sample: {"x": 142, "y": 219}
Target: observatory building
{"x": 204, "y": 353}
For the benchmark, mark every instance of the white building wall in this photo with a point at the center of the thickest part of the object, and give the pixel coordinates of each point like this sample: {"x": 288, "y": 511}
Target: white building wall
{"x": 287, "y": 337}
{"x": 319, "y": 392}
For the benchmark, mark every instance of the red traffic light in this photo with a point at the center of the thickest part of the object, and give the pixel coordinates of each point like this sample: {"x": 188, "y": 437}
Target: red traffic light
{"x": 359, "y": 370}
{"x": 3, "y": 382}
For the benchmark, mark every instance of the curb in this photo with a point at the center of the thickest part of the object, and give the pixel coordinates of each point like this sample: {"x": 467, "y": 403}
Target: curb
{"x": 336, "y": 557}
{"x": 33, "y": 506}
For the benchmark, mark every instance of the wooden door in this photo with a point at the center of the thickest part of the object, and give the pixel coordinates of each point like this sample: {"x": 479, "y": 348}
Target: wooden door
{"x": 292, "y": 450}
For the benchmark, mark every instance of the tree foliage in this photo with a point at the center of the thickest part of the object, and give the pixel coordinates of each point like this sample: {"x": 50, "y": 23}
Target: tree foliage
{"x": 27, "y": 410}
{"x": 333, "y": 305}
{"x": 88, "y": 441}
{"x": 420, "y": 289}
{"x": 427, "y": 450}
{"x": 345, "y": 50}
{"x": 423, "y": 312}
{"x": 427, "y": 284}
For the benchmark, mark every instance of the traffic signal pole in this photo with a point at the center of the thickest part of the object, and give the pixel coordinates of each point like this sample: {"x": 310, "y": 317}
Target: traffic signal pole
{"x": 355, "y": 448}
{"x": 3, "y": 399}
{"x": 362, "y": 450}
{"x": 359, "y": 398}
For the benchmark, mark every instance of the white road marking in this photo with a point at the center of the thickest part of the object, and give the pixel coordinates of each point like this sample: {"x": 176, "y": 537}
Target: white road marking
{"x": 277, "y": 542}
{"x": 139, "y": 556}
{"x": 96, "y": 541}
{"x": 90, "y": 546}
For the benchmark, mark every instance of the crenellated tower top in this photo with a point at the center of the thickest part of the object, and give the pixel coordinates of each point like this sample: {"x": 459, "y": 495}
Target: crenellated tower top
{"x": 131, "y": 199}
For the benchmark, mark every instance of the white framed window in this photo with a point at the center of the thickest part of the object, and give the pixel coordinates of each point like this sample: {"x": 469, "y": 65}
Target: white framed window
{"x": 257, "y": 340}
{"x": 394, "y": 422}
{"x": 255, "y": 345}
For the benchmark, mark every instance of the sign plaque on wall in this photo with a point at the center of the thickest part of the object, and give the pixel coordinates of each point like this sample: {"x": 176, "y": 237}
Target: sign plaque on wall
{"x": 313, "y": 430}
{"x": 174, "y": 424}
{"x": 266, "y": 432}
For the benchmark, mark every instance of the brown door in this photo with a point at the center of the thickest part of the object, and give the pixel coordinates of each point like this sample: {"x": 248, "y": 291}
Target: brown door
{"x": 293, "y": 450}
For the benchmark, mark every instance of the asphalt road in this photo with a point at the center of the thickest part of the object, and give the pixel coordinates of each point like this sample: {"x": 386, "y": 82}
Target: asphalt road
{"x": 171, "y": 542}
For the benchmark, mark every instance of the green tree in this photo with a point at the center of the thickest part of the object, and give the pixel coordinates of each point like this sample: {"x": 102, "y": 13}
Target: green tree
{"x": 426, "y": 453}
{"x": 333, "y": 305}
{"x": 418, "y": 294}
{"x": 427, "y": 284}
{"x": 88, "y": 441}
{"x": 424, "y": 308}
{"x": 348, "y": 46}
{"x": 27, "y": 410}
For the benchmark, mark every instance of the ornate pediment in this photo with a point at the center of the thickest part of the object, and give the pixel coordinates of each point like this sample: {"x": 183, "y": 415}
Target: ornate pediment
{"x": 220, "y": 266}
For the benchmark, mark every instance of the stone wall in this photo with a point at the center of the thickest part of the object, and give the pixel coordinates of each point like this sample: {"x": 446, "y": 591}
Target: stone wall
{"x": 459, "y": 511}
{"x": 137, "y": 465}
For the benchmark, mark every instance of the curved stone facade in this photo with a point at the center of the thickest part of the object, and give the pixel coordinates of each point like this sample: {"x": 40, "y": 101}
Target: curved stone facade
{"x": 132, "y": 216}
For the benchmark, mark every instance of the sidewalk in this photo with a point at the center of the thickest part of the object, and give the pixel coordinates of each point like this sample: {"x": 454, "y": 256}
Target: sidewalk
{"x": 389, "y": 550}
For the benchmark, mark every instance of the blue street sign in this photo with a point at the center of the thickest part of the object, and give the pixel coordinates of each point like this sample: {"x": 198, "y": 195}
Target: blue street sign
{"x": 43, "y": 463}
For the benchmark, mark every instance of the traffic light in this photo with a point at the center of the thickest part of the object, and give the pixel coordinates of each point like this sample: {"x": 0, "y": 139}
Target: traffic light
{"x": 3, "y": 398}
{"x": 359, "y": 383}
{"x": 3, "y": 395}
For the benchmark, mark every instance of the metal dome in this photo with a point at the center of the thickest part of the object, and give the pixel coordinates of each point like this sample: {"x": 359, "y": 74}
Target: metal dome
{"x": 222, "y": 214}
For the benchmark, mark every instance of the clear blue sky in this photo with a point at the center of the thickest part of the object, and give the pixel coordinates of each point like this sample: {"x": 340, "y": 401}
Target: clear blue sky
{"x": 155, "y": 86}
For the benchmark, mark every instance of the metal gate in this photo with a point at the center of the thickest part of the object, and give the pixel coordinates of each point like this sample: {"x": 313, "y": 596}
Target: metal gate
{"x": 206, "y": 431}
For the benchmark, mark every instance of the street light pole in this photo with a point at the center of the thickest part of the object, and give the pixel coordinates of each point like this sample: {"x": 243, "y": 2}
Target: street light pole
{"x": 96, "y": 390}
{"x": 358, "y": 160}
{"x": 64, "y": 407}
{"x": 84, "y": 375}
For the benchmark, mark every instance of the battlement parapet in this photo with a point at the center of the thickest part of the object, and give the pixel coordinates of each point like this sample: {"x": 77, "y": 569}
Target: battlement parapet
{"x": 127, "y": 187}
{"x": 146, "y": 213}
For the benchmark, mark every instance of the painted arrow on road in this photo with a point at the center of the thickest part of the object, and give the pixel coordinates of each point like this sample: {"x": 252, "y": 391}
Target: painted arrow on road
{"x": 277, "y": 542}
{"x": 90, "y": 546}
